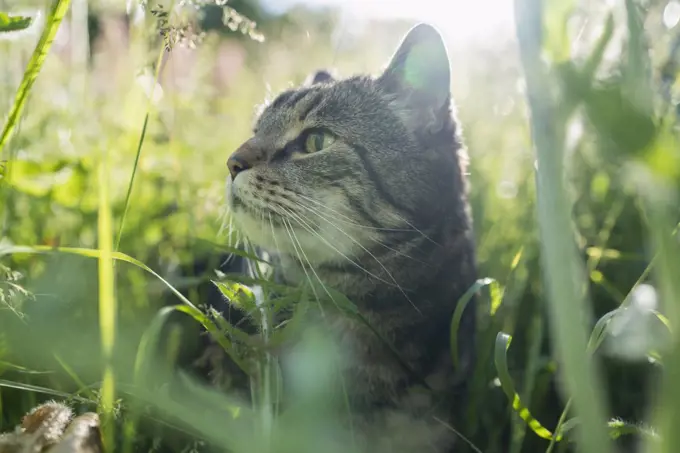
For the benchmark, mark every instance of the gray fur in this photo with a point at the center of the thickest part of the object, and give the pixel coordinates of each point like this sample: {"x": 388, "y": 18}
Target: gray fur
{"x": 380, "y": 215}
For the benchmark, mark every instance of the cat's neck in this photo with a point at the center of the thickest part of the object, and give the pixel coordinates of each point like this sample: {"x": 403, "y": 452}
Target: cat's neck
{"x": 408, "y": 297}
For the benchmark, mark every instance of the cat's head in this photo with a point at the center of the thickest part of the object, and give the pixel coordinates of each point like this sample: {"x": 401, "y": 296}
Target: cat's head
{"x": 335, "y": 165}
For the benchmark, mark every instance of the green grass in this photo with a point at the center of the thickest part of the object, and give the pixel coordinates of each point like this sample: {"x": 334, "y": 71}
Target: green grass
{"x": 109, "y": 195}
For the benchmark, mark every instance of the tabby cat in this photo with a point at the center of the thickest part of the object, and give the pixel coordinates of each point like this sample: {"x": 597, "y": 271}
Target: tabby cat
{"x": 359, "y": 183}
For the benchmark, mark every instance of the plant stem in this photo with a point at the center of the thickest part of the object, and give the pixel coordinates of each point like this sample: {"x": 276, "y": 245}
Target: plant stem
{"x": 563, "y": 275}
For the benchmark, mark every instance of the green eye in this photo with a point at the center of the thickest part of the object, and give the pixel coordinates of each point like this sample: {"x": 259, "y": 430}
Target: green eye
{"x": 318, "y": 140}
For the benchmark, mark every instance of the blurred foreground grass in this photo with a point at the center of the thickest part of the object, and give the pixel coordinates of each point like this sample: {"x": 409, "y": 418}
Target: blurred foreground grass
{"x": 575, "y": 162}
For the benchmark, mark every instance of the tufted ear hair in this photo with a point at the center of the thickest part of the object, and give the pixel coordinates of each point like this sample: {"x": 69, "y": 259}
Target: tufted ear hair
{"x": 320, "y": 76}
{"x": 418, "y": 77}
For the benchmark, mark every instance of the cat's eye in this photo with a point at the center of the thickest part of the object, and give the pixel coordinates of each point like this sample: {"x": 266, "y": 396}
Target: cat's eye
{"x": 318, "y": 140}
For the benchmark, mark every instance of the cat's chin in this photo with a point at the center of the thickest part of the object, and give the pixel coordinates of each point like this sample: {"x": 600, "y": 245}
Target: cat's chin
{"x": 311, "y": 247}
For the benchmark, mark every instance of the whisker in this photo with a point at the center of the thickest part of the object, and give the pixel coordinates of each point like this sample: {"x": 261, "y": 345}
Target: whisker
{"x": 323, "y": 217}
{"x": 416, "y": 229}
{"x": 316, "y": 296}
{"x": 306, "y": 226}
{"x": 350, "y": 221}
{"x": 395, "y": 284}
{"x": 413, "y": 228}
{"x": 291, "y": 232}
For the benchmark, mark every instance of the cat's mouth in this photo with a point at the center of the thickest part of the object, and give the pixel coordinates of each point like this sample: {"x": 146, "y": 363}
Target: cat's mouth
{"x": 241, "y": 209}
{"x": 265, "y": 220}
{"x": 284, "y": 225}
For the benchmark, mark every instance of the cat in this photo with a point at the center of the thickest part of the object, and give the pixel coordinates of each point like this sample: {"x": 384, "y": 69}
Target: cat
{"x": 360, "y": 184}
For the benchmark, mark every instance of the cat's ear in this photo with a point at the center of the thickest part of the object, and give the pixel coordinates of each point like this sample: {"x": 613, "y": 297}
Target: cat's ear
{"x": 418, "y": 76}
{"x": 320, "y": 76}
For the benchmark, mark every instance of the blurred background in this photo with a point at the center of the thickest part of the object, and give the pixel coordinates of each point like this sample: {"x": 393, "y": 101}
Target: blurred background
{"x": 99, "y": 81}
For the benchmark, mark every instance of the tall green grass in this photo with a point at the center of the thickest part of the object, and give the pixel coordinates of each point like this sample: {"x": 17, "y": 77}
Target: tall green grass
{"x": 551, "y": 111}
{"x": 563, "y": 272}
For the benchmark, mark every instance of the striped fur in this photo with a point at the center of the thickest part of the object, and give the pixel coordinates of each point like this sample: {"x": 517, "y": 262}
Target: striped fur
{"x": 380, "y": 215}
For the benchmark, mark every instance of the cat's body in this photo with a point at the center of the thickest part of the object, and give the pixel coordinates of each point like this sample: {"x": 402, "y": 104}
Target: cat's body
{"x": 360, "y": 184}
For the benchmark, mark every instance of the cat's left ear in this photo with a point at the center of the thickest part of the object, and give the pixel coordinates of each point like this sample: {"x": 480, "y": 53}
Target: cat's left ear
{"x": 418, "y": 76}
{"x": 320, "y": 76}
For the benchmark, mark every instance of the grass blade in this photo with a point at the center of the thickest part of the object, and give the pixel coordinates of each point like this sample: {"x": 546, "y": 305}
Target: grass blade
{"x": 562, "y": 274}
{"x": 107, "y": 302}
{"x": 44, "y": 390}
{"x": 59, "y": 8}
{"x": 496, "y": 296}
{"x": 91, "y": 253}
{"x": 139, "y": 148}
{"x": 188, "y": 307}
{"x": 501, "y": 361}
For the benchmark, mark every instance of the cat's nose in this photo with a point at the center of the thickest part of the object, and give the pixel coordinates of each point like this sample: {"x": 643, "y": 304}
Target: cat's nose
{"x": 236, "y": 165}
{"x": 246, "y": 156}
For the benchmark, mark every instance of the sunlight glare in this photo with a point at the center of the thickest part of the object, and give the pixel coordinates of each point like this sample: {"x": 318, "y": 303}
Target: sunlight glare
{"x": 671, "y": 14}
{"x": 459, "y": 21}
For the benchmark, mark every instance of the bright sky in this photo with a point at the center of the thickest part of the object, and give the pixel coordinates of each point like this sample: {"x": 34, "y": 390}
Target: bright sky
{"x": 459, "y": 20}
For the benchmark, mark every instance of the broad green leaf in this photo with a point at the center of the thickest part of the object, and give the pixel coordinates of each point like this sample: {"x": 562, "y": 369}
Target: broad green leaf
{"x": 237, "y": 294}
{"x": 264, "y": 283}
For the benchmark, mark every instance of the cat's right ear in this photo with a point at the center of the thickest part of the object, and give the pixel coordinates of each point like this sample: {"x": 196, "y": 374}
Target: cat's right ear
{"x": 320, "y": 76}
{"x": 418, "y": 76}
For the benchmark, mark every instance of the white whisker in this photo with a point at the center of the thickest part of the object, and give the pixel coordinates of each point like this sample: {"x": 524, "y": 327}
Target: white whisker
{"x": 316, "y": 296}
{"x": 349, "y": 220}
{"x": 309, "y": 229}
{"x": 395, "y": 284}
{"x": 291, "y": 232}
{"x": 326, "y": 219}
